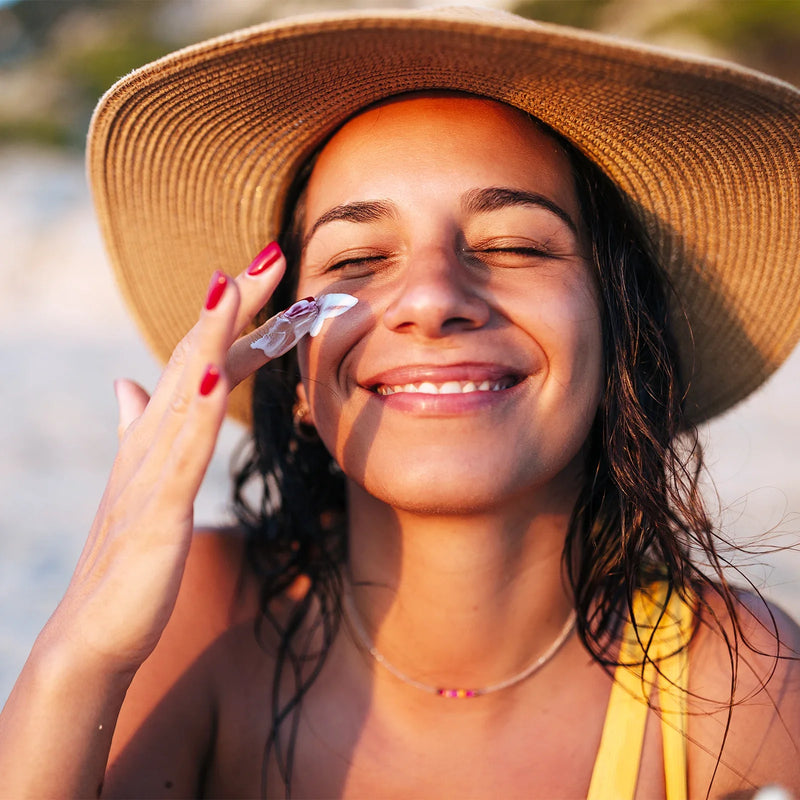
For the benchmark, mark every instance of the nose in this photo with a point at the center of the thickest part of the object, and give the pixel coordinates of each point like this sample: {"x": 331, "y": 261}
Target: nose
{"x": 437, "y": 296}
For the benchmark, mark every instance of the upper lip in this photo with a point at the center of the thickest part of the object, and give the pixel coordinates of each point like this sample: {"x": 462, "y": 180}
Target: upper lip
{"x": 418, "y": 373}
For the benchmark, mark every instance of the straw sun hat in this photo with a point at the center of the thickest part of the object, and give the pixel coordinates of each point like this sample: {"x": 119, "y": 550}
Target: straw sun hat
{"x": 190, "y": 159}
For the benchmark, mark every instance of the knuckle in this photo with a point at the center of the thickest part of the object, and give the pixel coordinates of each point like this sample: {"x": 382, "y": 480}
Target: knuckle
{"x": 183, "y": 462}
{"x": 181, "y": 353}
{"x": 179, "y": 403}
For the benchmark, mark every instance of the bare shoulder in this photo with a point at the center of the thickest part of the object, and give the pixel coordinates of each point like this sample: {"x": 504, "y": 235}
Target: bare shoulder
{"x": 744, "y": 724}
{"x": 217, "y": 581}
{"x": 164, "y": 728}
{"x": 217, "y": 593}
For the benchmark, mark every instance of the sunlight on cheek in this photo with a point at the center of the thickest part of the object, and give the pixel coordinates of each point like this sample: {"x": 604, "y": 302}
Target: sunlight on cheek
{"x": 345, "y": 445}
{"x": 573, "y": 343}
{"x": 327, "y": 377}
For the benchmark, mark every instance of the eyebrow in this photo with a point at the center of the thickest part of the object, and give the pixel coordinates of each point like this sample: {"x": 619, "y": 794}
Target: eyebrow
{"x": 359, "y": 211}
{"x": 478, "y": 201}
{"x": 475, "y": 201}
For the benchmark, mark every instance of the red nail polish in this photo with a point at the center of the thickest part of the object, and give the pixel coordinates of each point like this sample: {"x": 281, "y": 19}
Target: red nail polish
{"x": 210, "y": 379}
{"x": 216, "y": 290}
{"x": 266, "y": 258}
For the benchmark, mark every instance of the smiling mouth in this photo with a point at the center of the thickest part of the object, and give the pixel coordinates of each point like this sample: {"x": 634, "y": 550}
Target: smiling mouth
{"x": 448, "y": 387}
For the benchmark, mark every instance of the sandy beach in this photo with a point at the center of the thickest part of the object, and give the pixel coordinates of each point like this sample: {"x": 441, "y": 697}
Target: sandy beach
{"x": 65, "y": 336}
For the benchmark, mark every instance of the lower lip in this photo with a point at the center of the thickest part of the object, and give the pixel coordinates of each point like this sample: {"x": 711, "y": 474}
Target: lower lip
{"x": 445, "y": 405}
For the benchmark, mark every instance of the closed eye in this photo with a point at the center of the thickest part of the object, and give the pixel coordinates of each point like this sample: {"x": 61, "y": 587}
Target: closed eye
{"x": 521, "y": 251}
{"x": 509, "y": 254}
{"x": 355, "y": 262}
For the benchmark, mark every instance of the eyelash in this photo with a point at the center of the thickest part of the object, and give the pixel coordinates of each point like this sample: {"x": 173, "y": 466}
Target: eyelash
{"x": 529, "y": 252}
{"x": 526, "y": 252}
{"x": 348, "y": 262}
{"x": 522, "y": 251}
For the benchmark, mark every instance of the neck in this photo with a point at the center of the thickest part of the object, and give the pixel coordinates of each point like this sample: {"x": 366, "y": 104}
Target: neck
{"x": 458, "y": 601}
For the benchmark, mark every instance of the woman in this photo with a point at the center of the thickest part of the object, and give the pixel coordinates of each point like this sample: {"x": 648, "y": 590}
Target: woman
{"x": 474, "y": 563}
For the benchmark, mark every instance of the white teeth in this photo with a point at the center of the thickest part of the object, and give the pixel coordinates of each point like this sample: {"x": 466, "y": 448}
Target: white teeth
{"x": 448, "y": 387}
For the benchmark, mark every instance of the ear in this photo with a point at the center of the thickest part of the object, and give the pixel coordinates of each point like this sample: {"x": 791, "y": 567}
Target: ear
{"x": 302, "y": 409}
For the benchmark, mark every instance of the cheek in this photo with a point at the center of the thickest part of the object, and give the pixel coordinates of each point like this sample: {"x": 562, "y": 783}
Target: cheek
{"x": 328, "y": 365}
{"x": 345, "y": 320}
{"x": 318, "y": 377}
{"x": 318, "y": 370}
{"x": 327, "y": 361}
{"x": 587, "y": 331}
{"x": 572, "y": 341}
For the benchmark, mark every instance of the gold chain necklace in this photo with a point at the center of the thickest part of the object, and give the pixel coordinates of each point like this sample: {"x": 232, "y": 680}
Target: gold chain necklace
{"x": 364, "y": 640}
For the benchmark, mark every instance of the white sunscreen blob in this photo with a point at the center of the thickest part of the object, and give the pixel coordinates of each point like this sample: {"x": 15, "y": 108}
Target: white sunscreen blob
{"x": 772, "y": 792}
{"x": 283, "y": 331}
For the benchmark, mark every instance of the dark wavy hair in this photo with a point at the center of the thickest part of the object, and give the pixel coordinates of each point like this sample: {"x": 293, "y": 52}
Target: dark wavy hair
{"x": 639, "y": 516}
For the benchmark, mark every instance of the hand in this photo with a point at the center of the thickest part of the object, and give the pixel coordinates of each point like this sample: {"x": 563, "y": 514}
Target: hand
{"x": 124, "y": 588}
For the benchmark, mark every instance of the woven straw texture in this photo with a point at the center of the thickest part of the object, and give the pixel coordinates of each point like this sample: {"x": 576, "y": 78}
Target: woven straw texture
{"x": 190, "y": 159}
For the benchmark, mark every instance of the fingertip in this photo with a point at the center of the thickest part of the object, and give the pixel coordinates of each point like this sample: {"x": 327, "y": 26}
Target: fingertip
{"x": 132, "y": 400}
{"x": 216, "y": 288}
{"x": 209, "y": 380}
{"x": 265, "y": 259}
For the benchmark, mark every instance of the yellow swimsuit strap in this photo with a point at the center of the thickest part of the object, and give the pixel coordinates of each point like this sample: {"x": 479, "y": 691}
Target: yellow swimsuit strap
{"x": 616, "y": 768}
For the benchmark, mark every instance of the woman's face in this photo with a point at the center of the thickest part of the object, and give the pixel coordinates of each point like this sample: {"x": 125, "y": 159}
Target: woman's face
{"x": 469, "y": 373}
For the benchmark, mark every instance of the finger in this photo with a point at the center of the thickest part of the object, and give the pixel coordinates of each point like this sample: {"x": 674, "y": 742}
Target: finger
{"x": 277, "y": 336}
{"x": 253, "y": 288}
{"x": 193, "y": 447}
{"x": 142, "y": 469}
{"x": 282, "y": 332}
{"x": 143, "y": 465}
{"x": 209, "y": 344}
{"x": 132, "y": 400}
{"x": 206, "y": 343}
{"x": 243, "y": 360}
{"x": 257, "y": 284}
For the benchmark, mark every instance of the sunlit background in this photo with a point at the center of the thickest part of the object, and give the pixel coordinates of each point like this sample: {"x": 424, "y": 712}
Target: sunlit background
{"x": 64, "y": 334}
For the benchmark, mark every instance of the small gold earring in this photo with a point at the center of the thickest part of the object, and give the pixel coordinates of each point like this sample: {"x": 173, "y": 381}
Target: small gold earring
{"x": 303, "y": 428}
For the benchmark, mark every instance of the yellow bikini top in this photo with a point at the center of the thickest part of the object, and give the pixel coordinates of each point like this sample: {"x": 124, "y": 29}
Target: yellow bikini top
{"x": 616, "y": 768}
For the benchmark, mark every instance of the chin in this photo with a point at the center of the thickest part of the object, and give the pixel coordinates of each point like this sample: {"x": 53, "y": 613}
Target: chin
{"x": 461, "y": 491}
{"x": 440, "y": 504}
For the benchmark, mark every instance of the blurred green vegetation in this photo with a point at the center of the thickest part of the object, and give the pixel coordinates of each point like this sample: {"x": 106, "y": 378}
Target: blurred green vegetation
{"x": 58, "y": 56}
{"x": 578, "y": 13}
{"x": 762, "y": 34}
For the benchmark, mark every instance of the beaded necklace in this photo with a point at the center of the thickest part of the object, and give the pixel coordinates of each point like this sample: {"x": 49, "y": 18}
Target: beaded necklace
{"x": 364, "y": 640}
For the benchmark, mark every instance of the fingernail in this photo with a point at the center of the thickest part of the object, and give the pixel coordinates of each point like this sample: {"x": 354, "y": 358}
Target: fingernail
{"x": 266, "y": 258}
{"x": 210, "y": 379}
{"x": 216, "y": 290}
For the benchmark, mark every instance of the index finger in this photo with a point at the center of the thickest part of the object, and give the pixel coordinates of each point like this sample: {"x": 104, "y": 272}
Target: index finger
{"x": 279, "y": 334}
{"x": 251, "y": 289}
{"x": 243, "y": 359}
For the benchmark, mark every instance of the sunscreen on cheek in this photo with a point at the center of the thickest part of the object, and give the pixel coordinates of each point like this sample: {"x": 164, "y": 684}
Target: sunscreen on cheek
{"x": 283, "y": 331}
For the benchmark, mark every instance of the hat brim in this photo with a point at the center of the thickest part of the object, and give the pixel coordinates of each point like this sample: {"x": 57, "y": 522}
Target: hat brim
{"x": 190, "y": 159}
